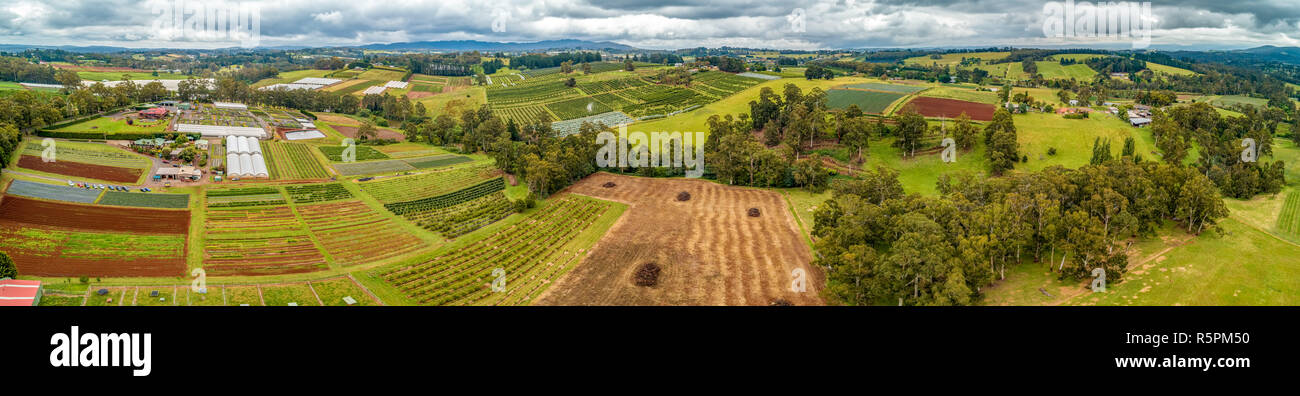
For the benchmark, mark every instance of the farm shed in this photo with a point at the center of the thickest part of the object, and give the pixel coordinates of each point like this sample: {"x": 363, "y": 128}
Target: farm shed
{"x": 318, "y": 81}
{"x": 304, "y": 135}
{"x": 1139, "y": 121}
{"x": 291, "y": 87}
{"x": 230, "y": 106}
{"x": 184, "y": 172}
{"x": 221, "y": 131}
{"x": 20, "y": 293}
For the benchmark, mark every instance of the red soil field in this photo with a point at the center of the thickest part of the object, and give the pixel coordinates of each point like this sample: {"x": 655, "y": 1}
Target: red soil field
{"x": 94, "y": 218}
{"x": 77, "y": 169}
{"x": 951, "y": 108}
{"x": 380, "y": 133}
{"x": 21, "y": 214}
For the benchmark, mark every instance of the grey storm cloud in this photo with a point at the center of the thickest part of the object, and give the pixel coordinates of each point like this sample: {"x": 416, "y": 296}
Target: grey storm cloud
{"x": 644, "y": 23}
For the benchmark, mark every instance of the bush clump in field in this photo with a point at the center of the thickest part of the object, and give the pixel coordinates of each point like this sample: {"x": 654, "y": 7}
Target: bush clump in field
{"x": 647, "y": 275}
{"x": 753, "y": 212}
{"x": 608, "y": 185}
{"x": 781, "y": 302}
{"x": 683, "y": 196}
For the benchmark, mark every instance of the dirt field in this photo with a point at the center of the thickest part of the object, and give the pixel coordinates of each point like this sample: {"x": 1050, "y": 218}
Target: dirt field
{"x": 710, "y": 251}
{"x": 95, "y": 218}
{"x": 47, "y": 239}
{"x": 951, "y": 108}
{"x": 380, "y": 133}
{"x": 77, "y": 169}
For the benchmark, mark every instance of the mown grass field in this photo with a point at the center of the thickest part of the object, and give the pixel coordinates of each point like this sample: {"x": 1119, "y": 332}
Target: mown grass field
{"x": 955, "y": 59}
{"x": 1073, "y": 139}
{"x": 291, "y": 76}
{"x": 110, "y": 125}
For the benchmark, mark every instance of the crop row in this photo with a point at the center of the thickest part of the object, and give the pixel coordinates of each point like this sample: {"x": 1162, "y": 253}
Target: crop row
{"x": 525, "y": 255}
{"x": 310, "y": 193}
{"x": 577, "y": 108}
{"x": 599, "y": 87}
{"x": 660, "y": 99}
{"x": 425, "y": 185}
{"x": 467, "y": 194}
{"x": 362, "y": 153}
{"x": 353, "y": 233}
{"x": 466, "y": 217}
{"x": 292, "y": 161}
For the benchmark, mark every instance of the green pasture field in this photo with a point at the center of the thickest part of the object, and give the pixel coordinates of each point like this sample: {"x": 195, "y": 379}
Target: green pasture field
{"x": 382, "y": 75}
{"x": 89, "y": 153}
{"x": 111, "y": 126}
{"x": 282, "y": 295}
{"x": 291, "y": 76}
{"x": 874, "y": 102}
{"x": 332, "y": 291}
{"x": 969, "y": 95}
{"x": 237, "y": 295}
{"x": 1053, "y": 70}
{"x": 955, "y": 59}
{"x": 166, "y": 296}
{"x": 895, "y": 88}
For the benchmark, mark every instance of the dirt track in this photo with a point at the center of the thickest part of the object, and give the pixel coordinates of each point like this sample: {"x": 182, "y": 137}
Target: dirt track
{"x": 711, "y": 253}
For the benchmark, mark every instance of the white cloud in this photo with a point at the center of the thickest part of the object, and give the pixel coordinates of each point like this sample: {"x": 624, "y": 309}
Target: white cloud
{"x": 328, "y": 17}
{"x": 648, "y": 23}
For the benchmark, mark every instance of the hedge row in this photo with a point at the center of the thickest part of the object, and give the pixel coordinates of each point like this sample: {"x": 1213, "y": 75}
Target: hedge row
{"x": 111, "y": 136}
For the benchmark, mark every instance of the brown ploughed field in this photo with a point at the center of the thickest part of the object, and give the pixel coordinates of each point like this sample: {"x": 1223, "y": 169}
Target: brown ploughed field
{"x": 77, "y": 169}
{"x": 951, "y": 108}
{"x": 707, "y": 249}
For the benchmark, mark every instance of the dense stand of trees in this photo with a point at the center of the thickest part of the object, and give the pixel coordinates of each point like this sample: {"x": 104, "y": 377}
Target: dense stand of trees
{"x": 1220, "y": 143}
{"x": 880, "y": 246}
{"x": 542, "y": 61}
{"x": 724, "y": 63}
{"x": 662, "y": 58}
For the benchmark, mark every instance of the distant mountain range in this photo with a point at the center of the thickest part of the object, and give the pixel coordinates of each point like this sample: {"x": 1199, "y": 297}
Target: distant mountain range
{"x": 1250, "y": 56}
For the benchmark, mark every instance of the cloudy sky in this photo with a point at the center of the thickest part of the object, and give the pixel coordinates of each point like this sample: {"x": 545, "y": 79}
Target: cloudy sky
{"x": 661, "y": 24}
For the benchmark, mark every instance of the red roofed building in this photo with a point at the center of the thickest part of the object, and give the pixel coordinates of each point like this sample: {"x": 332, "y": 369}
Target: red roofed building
{"x": 154, "y": 113}
{"x": 19, "y": 293}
